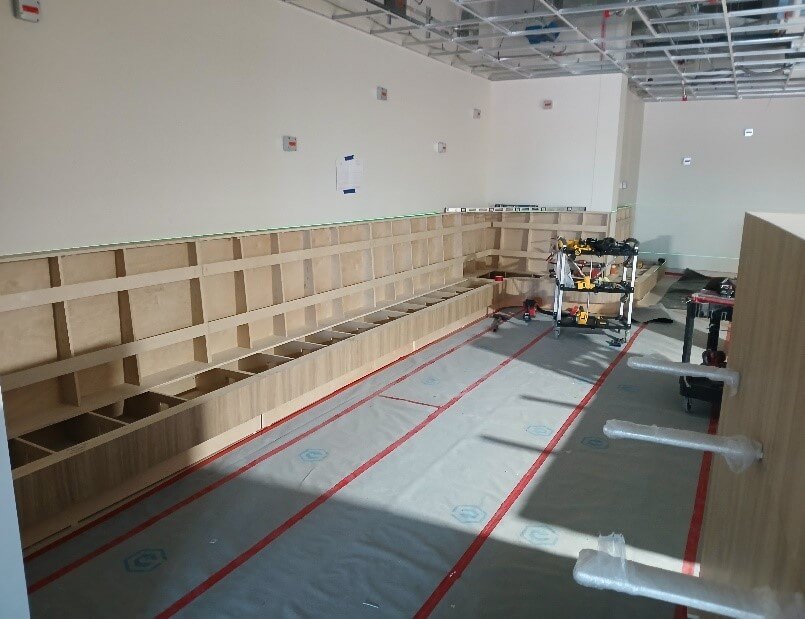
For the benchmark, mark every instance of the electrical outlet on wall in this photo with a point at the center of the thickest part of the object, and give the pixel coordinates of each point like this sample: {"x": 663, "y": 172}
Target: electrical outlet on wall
{"x": 382, "y": 94}
{"x": 687, "y": 160}
{"x": 748, "y": 133}
{"x": 441, "y": 147}
{"x": 476, "y": 113}
{"x": 27, "y": 10}
{"x": 289, "y": 143}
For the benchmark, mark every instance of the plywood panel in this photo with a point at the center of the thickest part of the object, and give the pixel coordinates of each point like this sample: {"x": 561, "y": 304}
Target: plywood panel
{"x": 27, "y": 338}
{"x": 382, "y": 258}
{"x": 100, "y": 378}
{"x": 24, "y": 275}
{"x": 356, "y": 267}
{"x": 88, "y": 267}
{"x": 215, "y": 250}
{"x": 94, "y": 323}
{"x": 258, "y": 245}
{"x": 24, "y": 406}
{"x": 166, "y": 358}
{"x": 157, "y": 258}
{"x": 753, "y": 533}
{"x": 223, "y": 341}
{"x": 160, "y": 309}
{"x": 354, "y": 233}
{"x": 402, "y": 257}
{"x": 219, "y": 295}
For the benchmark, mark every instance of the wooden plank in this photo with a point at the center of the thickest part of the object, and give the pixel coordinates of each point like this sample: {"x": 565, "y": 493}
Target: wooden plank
{"x": 753, "y": 534}
{"x": 541, "y": 226}
{"x": 44, "y": 295}
{"x": 10, "y": 258}
{"x": 131, "y": 370}
{"x": 68, "y": 384}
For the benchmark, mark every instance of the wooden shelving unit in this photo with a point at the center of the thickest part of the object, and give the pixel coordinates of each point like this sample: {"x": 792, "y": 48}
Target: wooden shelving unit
{"x": 523, "y": 243}
{"x": 118, "y": 362}
{"x": 624, "y": 222}
{"x": 526, "y": 240}
{"x": 121, "y": 365}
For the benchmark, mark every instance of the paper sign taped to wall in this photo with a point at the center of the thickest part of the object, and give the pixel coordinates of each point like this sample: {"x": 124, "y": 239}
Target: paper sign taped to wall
{"x": 348, "y": 174}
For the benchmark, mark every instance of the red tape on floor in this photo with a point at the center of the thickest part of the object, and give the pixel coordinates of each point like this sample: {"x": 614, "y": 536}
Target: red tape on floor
{"x": 458, "y": 569}
{"x": 223, "y": 480}
{"x": 695, "y": 530}
{"x": 323, "y": 498}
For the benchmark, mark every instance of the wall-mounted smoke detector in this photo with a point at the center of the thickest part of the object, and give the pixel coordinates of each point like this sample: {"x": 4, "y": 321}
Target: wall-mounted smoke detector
{"x": 382, "y": 94}
{"x": 27, "y": 10}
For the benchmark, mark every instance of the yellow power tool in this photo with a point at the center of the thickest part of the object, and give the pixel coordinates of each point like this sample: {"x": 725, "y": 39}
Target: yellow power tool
{"x": 582, "y": 316}
{"x": 577, "y": 246}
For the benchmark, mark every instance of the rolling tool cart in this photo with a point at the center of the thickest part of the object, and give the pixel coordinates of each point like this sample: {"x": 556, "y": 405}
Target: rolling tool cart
{"x": 595, "y": 266}
{"x": 717, "y": 305}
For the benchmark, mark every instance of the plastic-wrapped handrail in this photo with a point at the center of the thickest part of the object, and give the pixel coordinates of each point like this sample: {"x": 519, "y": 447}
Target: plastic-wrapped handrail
{"x": 608, "y": 568}
{"x": 740, "y": 452}
{"x": 731, "y": 378}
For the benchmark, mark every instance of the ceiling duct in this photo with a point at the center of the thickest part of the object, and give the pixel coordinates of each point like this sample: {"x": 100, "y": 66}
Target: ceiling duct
{"x": 467, "y": 31}
{"x": 395, "y": 6}
{"x": 703, "y": 48}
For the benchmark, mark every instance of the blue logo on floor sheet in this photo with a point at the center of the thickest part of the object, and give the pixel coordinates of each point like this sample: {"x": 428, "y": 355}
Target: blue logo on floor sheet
{"x": 468, "y": 514}
{"x": 595, "y": 442}
{"x": 430, "y": 380}
{"x": 145, "y": 560}
{"x": 540, "y": 535}
{"x": 629, "y": 388}
{"x": 313, "y": 455}
{"x": 539, "y": 430}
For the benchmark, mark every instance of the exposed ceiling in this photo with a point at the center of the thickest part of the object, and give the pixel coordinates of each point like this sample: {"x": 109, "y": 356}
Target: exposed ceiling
{"x": 668, "y": 49}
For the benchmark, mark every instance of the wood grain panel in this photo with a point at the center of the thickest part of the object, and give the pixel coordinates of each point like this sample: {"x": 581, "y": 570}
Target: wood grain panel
{"x": 754, "y": 527}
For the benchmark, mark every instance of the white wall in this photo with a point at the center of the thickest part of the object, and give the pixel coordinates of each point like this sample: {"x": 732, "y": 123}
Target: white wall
{"x": 123, "y": 121}
{"x": 560, "y": 157}
{"x": 633, "y": 109}
{"x": 694, "y": 215}
{"x": 13, "y": 595}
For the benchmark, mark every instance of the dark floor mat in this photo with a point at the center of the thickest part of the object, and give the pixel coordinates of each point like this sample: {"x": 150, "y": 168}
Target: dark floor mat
{"x": 677, "y": 295}
{"x": 651, "y": 314}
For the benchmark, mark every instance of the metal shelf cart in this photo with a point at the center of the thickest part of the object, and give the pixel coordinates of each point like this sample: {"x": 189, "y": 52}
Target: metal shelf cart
{"x": 586, "y": 265}
{"x": 718, "y": 308}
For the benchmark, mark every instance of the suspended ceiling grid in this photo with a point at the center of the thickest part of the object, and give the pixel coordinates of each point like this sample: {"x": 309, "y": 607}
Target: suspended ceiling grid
{"x": 668, "y": 49}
